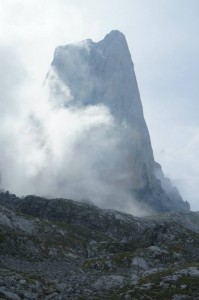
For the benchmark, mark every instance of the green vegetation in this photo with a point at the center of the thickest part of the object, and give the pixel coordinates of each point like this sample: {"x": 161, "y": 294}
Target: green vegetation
{"x": 2, "y": 237}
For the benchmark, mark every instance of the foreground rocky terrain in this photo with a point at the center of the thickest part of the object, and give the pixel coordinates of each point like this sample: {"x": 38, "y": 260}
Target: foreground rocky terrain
{"x": 61, "y": 249}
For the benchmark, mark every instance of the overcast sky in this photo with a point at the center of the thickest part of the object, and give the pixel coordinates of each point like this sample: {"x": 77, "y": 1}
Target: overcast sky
{"x": 163, "y": 39}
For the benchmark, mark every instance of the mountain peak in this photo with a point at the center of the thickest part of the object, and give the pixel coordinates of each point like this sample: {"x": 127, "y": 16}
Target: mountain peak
{"x": 103, "y": 73}
{"x": 114, "y": 34}
{"x": 114, "y": 37}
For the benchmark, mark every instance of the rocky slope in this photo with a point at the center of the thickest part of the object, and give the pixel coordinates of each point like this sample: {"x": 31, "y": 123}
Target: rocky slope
{"x": 89, "y": 73}
{"x": 61, "y": 249}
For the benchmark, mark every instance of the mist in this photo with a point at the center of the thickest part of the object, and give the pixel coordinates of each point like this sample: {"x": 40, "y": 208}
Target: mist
{"x": 51, "y": 150}
{"x": 31, "y": 31}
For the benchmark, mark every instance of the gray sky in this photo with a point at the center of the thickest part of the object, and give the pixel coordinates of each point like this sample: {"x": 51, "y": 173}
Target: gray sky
{"x": 163, "y": 40}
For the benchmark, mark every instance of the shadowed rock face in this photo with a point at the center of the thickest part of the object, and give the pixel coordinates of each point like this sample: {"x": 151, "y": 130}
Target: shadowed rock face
{"x": 89, "y": 73}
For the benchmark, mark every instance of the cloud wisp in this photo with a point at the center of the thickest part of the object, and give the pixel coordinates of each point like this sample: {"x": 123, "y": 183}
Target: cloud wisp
{"x": 54, "y": 151}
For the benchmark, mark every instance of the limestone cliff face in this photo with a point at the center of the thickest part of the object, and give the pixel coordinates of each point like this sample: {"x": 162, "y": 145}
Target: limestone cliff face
{"x": 89, "y": 73}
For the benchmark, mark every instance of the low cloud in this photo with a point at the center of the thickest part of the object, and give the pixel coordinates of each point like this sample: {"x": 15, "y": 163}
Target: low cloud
{"x": 54, "y": 151}
{"x": 178, "y": 156}
{"x": 46, "y": 149}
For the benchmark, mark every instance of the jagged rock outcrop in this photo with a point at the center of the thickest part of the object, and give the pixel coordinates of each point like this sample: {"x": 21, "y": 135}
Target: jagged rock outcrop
{"x": 89, "y": 73}
{"x": 63, "y": 249}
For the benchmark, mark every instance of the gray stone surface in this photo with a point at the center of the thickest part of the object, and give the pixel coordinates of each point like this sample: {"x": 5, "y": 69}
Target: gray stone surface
{"x": 78, "y": 251}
